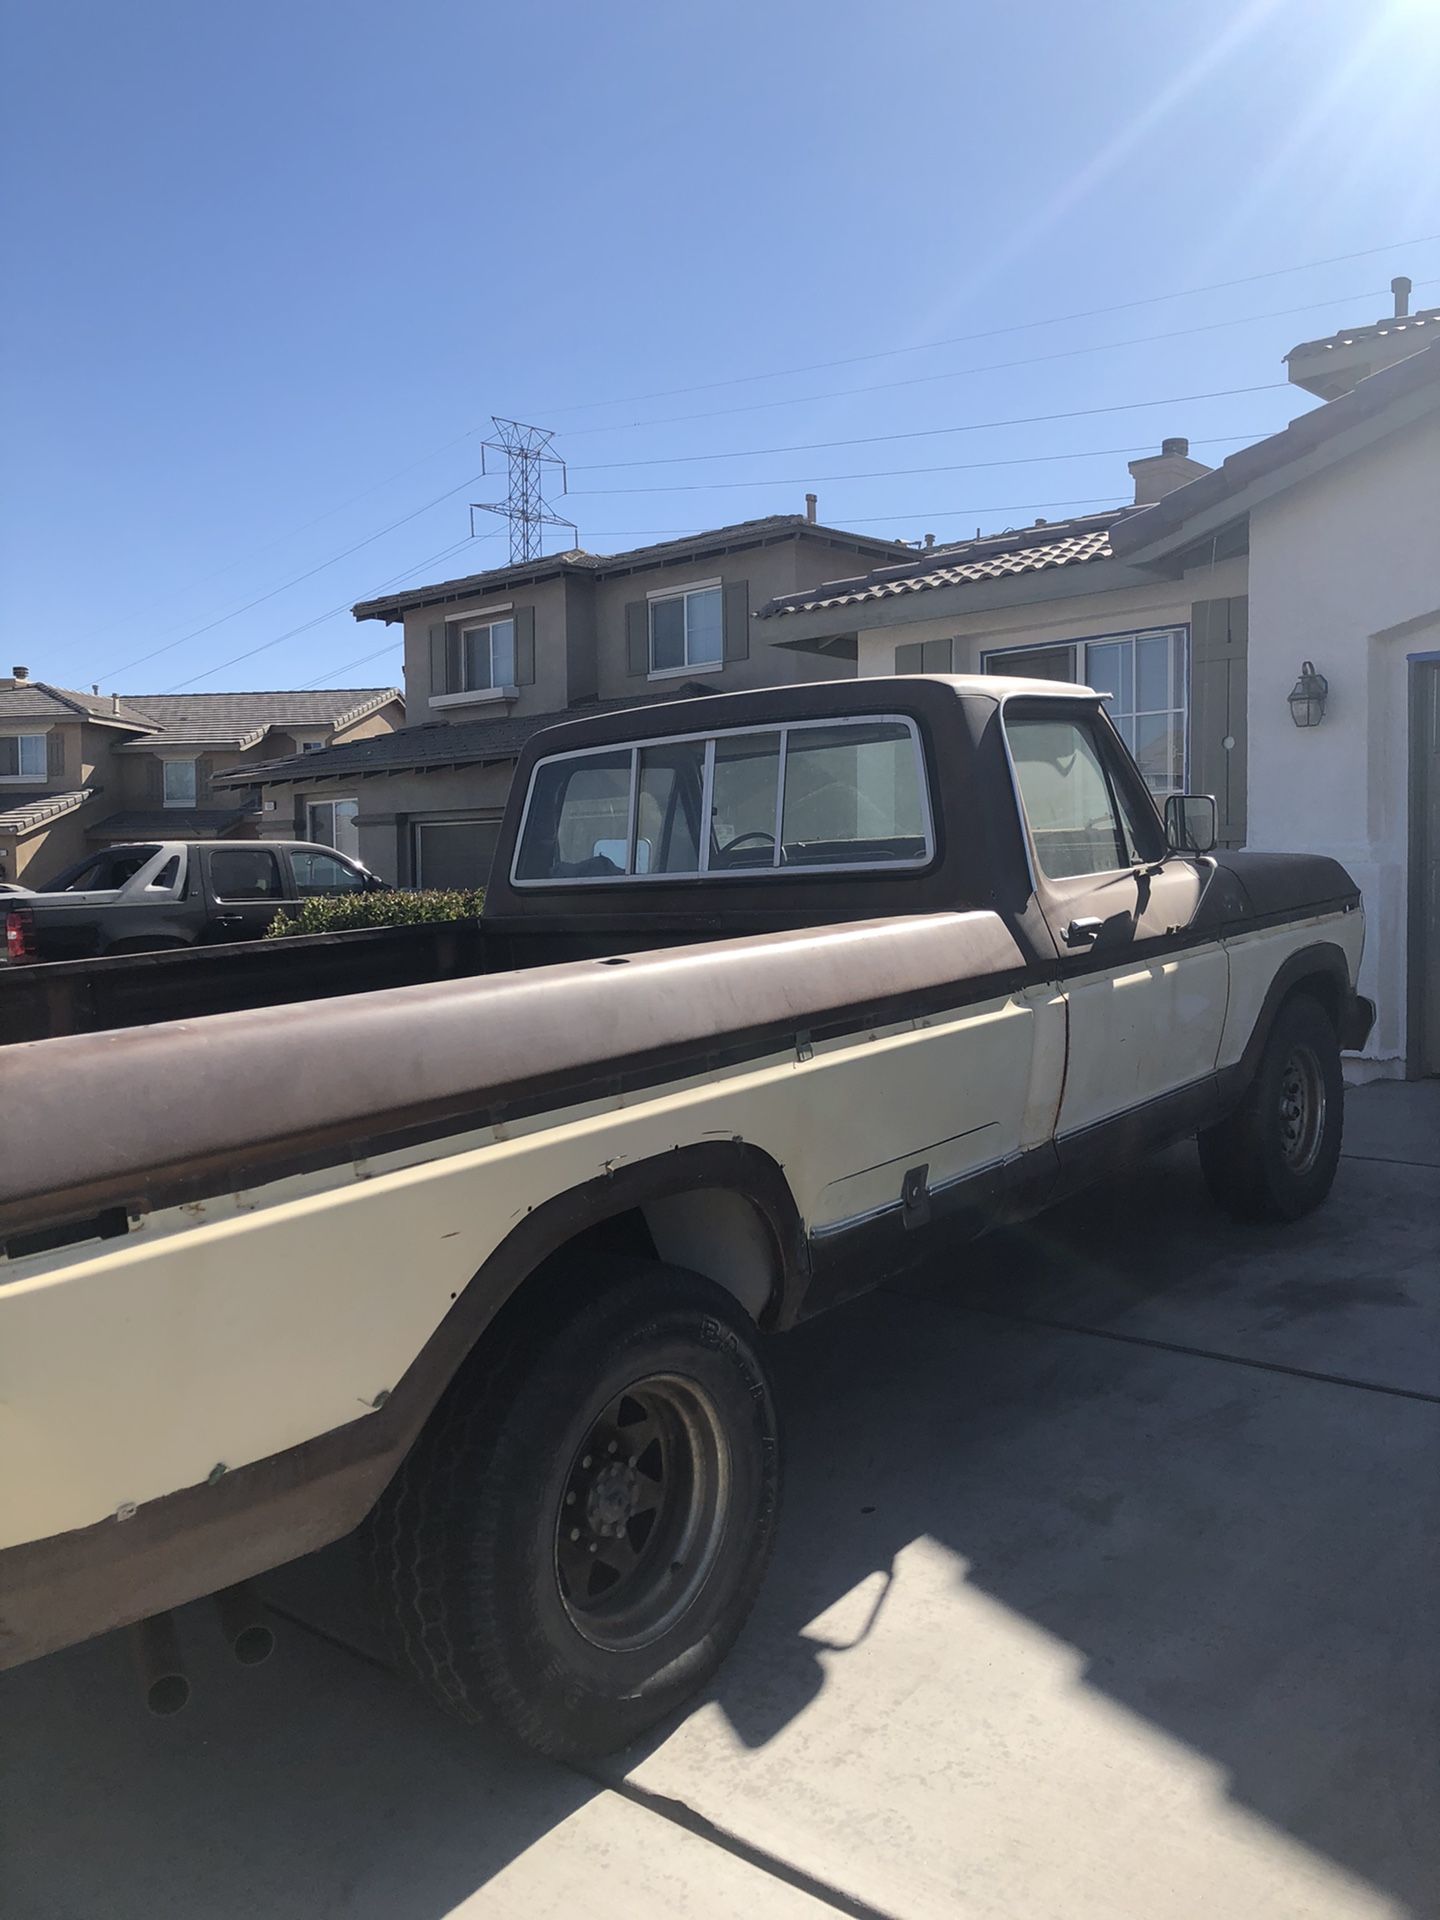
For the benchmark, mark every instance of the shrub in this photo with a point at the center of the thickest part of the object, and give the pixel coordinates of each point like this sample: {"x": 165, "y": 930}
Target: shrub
{"x": 337, "y": 913}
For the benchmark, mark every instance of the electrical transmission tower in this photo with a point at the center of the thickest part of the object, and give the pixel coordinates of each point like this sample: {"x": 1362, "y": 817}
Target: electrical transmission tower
{"x": 527, "y": 454}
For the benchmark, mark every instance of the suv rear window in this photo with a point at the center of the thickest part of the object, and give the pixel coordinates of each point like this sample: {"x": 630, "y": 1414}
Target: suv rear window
{"x": 806, "y": 798}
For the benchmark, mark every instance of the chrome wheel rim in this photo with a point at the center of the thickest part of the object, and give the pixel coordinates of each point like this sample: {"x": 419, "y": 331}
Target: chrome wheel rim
{"x": 1302, "y": 1109}
{"x": 643, "y": 1512}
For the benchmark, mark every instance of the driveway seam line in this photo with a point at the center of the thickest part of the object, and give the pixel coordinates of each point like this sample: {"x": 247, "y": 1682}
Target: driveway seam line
{"x": 680, "y": 1813}
{"x": 660, "y": 1806}
{"x": 1205, "y": 1353}
{"x": 1389, "y": 1160}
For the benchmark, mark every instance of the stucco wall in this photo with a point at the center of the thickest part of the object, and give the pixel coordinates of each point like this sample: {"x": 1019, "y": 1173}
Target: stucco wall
{"x": 766, "y": 571}
{"x": 37, "y": 857}
{"x": 545, "y": 696}
{"x": 388, "y": 809}
{"x": 1345, "y": 571}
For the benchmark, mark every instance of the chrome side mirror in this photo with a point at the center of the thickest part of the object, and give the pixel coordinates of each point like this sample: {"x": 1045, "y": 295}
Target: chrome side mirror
{"x": 1191, "y": 822}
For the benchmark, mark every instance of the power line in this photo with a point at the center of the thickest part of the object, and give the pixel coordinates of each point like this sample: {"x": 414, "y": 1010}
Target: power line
{"x": 989, "y": 366}
{"x": 290, "y": 533}
{"x": 993, "y": 333}
{"x": 897, "y": 473}
{"x": 320, "y": 618}
{"x": 363, "y": 661}
{"x": 285, "y": 585}
{"x": 930, "y": 433}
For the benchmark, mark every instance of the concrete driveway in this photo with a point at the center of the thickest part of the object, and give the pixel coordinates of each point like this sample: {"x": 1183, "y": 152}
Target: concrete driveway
{"x": 1106, "y": 1587}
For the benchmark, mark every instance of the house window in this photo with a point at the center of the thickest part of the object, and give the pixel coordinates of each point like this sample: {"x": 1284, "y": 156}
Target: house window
{"x": 331, "y": 823}
{"x": 687, "y": 629}
{"x": 487, "y": 656}
{"x": 22, "y": 756}
{"x": 313, "y": 746}
{"x": 179, "y": 782}
{"x": 454, "y": 853}
{"x": 807, "y": 798}
{"x": 1144, "y": 675}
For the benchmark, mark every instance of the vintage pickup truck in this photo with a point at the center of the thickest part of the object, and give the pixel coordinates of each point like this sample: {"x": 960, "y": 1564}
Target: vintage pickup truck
{"x": 776, "y": 987}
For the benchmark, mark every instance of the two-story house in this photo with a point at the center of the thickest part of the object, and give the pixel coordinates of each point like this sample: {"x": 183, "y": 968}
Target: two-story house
{"x": 79, "y": 771}
{"x": 493, "y": 656}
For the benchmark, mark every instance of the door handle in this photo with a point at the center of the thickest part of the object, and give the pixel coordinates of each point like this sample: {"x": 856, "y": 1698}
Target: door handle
{"x": 1083, "y": 933}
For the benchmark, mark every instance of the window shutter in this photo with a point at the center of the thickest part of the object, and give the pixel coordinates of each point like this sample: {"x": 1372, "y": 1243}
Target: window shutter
{"x": 524, "y": 646}
{"x": 1219, "y": 661}
{"x": 910, "y": 658}
{"x": 737, "y": 620}
{"x": 54, "y": 754}
{"x": 637, "y": 637}
{"x": 936, "y": 656}
{"x": 439, "y": 676}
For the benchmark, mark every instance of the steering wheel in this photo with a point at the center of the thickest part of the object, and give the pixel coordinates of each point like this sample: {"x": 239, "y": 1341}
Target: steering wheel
{"x": 756, "y": 833}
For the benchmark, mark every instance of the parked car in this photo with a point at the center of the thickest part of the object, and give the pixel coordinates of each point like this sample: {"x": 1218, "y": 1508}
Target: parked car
{"x": 778, "y": 988}
{"x": 173, "y": 893}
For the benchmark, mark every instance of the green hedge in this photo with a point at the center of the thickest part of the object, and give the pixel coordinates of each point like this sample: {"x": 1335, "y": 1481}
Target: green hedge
{"x": 336, "y": 913}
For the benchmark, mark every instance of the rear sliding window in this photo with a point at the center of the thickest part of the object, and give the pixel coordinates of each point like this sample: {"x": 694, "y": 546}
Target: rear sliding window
{"x": 846, "y": 795}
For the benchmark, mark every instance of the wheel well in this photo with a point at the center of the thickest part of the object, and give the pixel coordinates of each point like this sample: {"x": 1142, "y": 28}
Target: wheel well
{"x": 713, "y": 1231}
{"x": 1322, "y": 986}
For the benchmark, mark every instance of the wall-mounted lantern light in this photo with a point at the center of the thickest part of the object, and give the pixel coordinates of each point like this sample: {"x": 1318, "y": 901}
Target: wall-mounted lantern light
{"x": 1307, "y": 696}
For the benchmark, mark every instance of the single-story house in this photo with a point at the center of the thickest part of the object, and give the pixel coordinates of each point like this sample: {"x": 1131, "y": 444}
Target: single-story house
{"x": 1216, "y": 611}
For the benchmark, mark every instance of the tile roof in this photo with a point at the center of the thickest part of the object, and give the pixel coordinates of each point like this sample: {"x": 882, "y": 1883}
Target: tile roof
{"x": 38, "y": 700}
{"x": 1427, "y": 320}
{"x": 436, "y": 743}
{"x": 240, "y": 719}
{"x": 23, "y": 812}
{"x": 172, "y": 823}
{"x": 740, "y": 533}
{"x": 1060, "y": 543}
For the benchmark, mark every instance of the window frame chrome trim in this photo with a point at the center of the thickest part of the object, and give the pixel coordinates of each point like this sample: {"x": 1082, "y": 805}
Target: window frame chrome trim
{"x": 704, "y": 872}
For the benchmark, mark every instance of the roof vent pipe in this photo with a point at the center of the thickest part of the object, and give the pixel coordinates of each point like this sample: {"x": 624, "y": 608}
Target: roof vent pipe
{"x": 114, "y": 703}
{"x": 929, "y": 541}
{"x": 21, "y": 673}
{"x": 1400, "y": 287}
{"x": 812, "y": 501}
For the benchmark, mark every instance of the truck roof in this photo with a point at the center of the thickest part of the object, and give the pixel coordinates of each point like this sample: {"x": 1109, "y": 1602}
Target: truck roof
{"x": 761, "y": 706}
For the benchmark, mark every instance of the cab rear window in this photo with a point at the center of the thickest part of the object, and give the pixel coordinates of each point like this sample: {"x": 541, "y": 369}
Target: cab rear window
{"x": 844, "y": 795}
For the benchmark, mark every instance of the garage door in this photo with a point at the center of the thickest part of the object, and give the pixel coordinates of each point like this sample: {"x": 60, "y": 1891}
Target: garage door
{"x": 454, "y": 853}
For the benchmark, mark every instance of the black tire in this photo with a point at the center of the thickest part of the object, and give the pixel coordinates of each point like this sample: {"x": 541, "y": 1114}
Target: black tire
{"x": 1275, "y": 1157}
{"x": 493, "y": 1548}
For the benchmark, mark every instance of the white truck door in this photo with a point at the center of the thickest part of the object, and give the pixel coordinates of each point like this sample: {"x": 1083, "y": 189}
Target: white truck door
{"x": 1143, "y": 1021}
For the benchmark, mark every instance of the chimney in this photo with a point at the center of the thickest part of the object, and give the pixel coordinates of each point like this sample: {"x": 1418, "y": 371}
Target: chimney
{"x": 1156, "y": 474}
{"x": 812, "y": 501}
{"x": 929, "y": 541}
{"x": 1400, "y": 287}
{"x": 20, "y": 673}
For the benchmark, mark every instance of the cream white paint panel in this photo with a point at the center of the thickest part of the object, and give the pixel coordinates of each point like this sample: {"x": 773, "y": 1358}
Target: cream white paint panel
{"x": 224, "y": 1332}
{"x": 1255, "y": 959}
{"x": 1142, "y": 1030}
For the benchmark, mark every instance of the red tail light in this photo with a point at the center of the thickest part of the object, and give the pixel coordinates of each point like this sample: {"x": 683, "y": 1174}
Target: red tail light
{"x": 19, "y": 934}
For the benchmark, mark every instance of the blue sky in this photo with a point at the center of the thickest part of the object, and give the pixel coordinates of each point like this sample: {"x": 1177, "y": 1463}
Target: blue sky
{"x": 272, "y": 268}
